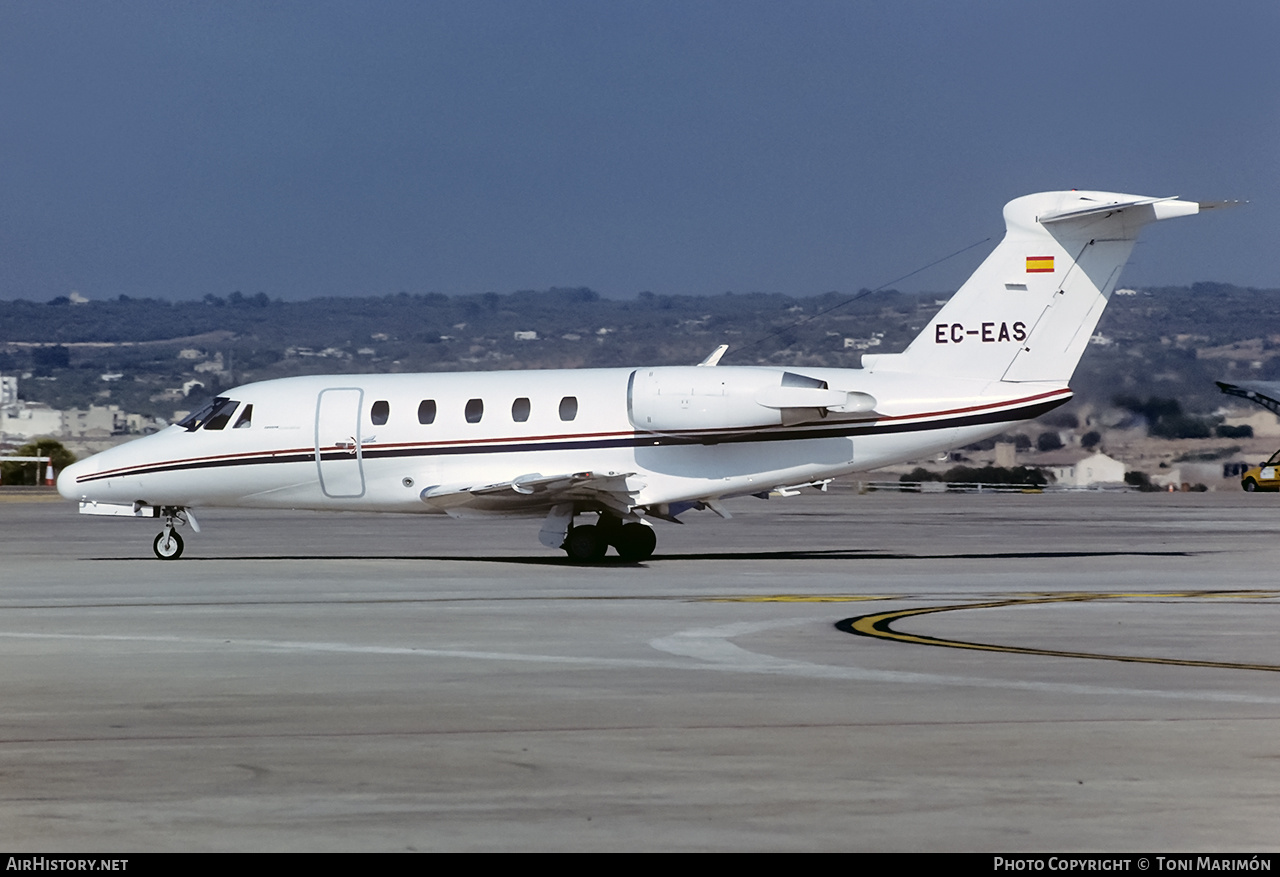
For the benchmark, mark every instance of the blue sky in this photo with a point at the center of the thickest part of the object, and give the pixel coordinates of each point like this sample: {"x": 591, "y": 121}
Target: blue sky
{"x": 174, "y": 149}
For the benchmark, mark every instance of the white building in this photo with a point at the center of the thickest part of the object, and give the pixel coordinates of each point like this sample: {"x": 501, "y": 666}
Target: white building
{"x": 1095, "y": 470}
{"x": 27, "y": 420}
{"x": 99, "y": 421}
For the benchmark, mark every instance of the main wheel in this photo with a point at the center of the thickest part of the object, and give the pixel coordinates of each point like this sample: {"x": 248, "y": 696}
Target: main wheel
{"x": 1250, "y": 485}
{"x": 585, "y": 544}
{"x": 168, "y": 545}
{"x": 636, "y": 542}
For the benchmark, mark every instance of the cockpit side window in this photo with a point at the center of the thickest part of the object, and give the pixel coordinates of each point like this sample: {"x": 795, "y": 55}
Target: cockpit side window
{"x": 193, "y": 421}
{"x": 221, "y": 415}
{"x": 246, "y": 418}
{"x": 205, "y": 416}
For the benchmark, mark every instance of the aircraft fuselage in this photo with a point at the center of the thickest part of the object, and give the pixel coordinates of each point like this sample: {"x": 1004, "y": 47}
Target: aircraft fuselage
{"x": 358, "y": 441}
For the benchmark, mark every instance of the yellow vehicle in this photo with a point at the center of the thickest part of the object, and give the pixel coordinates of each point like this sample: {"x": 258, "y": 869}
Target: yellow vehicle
{"x": 1264, "y": 477}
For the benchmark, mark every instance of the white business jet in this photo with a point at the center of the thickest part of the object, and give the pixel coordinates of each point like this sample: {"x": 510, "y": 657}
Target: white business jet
{"x": 627, "y": 446}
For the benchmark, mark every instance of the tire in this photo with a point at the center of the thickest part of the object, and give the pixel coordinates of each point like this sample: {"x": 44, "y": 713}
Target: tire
{"x": 636, "y": 542}
{"x": 585, "y": 544}
{"x": 170, "y": 549}
{"x": 1249, "y": 485}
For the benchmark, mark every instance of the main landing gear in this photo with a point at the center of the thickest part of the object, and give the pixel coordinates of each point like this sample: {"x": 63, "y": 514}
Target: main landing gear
{"x": 633, "y": 541}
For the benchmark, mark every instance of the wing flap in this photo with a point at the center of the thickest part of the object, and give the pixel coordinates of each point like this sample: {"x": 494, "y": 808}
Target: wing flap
{"x": 535, "y": 490}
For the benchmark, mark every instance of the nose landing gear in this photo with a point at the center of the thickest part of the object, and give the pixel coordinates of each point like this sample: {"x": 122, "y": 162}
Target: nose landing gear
{"x": 168, "y": 544}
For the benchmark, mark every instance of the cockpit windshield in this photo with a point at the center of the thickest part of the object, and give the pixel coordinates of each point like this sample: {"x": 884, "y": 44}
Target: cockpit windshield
{"x": 215, "y": 415}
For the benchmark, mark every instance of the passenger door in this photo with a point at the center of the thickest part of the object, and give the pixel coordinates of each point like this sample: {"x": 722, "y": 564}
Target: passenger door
{"x": 339, "y": 459}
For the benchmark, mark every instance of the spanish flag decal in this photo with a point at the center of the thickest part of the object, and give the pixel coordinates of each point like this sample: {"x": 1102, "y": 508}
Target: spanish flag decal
{"x": 1039, "y": 264}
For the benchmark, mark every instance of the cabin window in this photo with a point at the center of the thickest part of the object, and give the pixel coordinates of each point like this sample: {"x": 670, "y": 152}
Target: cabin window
{"x": 245, "y": 419}
{"x": 520, "y": 410}
{"x": 221, "y": 414}
{"x": 475, "y": 410}
{"x": 569, "y": 408}
{"x": 380, "y": 412}
{"x": 427, "y": 411}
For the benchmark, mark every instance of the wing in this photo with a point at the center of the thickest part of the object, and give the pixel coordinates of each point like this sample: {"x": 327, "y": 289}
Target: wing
{"x": 614, "y": 491}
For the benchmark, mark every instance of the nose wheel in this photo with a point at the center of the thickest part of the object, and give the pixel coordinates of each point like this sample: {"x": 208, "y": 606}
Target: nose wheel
{"x": 167, "y": 545}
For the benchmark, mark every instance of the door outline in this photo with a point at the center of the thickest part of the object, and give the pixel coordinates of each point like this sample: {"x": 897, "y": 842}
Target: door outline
{"x": 338, "y": 442}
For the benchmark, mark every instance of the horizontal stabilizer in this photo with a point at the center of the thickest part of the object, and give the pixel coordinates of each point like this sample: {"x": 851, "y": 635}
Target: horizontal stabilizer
{"x": 1265, "y": 393}
{"x": 1091, "y": 208}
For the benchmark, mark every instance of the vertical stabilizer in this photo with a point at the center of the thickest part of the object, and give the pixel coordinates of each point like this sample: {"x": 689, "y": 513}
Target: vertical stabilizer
{"x": 1028, "y": 311}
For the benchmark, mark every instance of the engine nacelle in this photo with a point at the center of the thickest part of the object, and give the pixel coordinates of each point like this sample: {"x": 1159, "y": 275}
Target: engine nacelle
{"x": 682, "y": 398}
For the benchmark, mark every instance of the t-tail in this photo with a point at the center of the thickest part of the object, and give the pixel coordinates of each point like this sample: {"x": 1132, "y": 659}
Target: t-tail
{"x": 1028, "y": 311}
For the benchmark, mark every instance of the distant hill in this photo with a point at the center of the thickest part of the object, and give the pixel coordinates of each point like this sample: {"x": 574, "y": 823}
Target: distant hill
{"x": 1171, "y": 341}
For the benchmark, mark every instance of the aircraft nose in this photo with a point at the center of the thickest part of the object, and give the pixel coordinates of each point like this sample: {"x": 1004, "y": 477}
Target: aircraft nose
{"x": 67, "y": 485}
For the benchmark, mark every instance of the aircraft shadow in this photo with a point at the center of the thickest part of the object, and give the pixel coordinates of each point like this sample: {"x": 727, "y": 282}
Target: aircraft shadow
{"x": 789, "y": 554}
